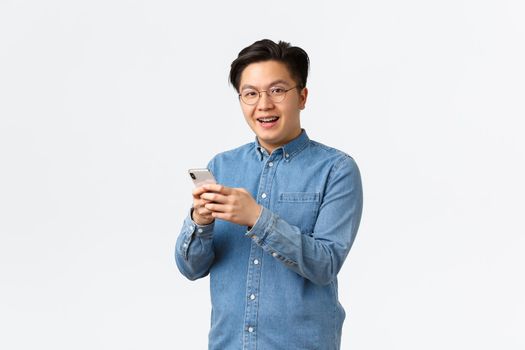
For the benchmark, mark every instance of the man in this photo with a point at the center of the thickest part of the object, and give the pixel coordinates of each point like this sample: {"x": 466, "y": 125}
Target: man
{"x": 276, "y": 229}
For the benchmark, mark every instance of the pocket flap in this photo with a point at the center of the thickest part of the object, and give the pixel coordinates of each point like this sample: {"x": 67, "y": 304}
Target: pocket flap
{"x": 299, "y": 197}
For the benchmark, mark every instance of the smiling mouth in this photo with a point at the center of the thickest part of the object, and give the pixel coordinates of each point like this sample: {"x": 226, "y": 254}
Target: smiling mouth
{"x": 267, "y": 119}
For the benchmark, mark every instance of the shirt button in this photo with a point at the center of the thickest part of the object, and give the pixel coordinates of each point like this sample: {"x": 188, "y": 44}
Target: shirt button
{"x": 256, "y": 262}
{"x": 185, "y": 245}
{"x": 250, "y": 329}
{"x": 287, "y": 155}
{"x": 263, "y": 195}
{"x": 275, "y": 255}
{"x": 252, "y": 297}
{"x": 199, "y": 230}
{"x": 270, "y": 164}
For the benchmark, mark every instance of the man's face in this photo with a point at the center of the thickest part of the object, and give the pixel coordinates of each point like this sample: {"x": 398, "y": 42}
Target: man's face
{"x": 274, "y": 123}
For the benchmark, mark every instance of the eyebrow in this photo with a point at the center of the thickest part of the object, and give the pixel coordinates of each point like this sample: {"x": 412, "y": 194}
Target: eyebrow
{"x": 275, "y": 82}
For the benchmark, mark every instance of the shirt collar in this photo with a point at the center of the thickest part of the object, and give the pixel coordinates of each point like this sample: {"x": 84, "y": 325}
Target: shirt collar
{"x": 289, "y": 150}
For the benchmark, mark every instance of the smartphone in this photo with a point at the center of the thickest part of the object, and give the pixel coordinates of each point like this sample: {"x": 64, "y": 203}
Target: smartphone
{"x": 201, "y": 176}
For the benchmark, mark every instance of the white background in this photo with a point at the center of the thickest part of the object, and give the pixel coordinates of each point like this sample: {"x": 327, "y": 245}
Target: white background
{"x": 105, "y": 104}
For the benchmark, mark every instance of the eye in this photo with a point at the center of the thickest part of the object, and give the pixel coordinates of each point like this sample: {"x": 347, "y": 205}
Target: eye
{"x": 277, "y": 90}
{"x": 249, "y": 93}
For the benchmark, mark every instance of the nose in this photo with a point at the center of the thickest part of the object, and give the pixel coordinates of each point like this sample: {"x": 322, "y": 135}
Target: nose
{"x": 265, "y": 102}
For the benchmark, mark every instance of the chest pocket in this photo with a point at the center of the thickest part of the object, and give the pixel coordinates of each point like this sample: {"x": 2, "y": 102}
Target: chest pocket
{"x": 299, "y": 209}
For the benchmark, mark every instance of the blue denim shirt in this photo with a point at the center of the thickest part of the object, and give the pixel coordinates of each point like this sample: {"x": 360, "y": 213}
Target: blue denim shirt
{"x": 274, "y": 286}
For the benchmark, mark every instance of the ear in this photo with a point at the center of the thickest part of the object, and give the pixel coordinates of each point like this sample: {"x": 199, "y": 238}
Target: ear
{"x": 303, "y": 96}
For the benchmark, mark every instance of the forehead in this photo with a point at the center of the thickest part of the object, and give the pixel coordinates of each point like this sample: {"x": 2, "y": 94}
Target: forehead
{"x": 261, "y": 74}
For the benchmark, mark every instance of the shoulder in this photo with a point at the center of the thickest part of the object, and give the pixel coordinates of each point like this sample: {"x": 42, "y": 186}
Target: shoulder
{"x": 341, "y": 168}
{"x": 235, "y": 153}
{"x": 336, "y": 158}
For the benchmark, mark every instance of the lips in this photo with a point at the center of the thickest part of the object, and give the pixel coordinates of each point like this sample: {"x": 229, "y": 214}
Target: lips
{"x": 265, "y": 120}
{"x": 268, "y": 122}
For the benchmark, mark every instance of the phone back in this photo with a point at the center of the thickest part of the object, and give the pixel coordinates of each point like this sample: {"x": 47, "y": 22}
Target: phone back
{"x": 201, "y": 176}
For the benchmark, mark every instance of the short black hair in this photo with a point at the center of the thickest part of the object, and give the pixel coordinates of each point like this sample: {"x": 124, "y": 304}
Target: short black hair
{"x": 295, "y": 59}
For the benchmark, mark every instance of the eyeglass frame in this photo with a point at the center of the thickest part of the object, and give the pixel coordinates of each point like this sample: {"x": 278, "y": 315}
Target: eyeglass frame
{"x": 267, "y": 94}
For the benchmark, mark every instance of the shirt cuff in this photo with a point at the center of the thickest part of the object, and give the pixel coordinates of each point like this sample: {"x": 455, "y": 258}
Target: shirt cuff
{"x": 260, "y": 230}
{"x": 199, "y": 230}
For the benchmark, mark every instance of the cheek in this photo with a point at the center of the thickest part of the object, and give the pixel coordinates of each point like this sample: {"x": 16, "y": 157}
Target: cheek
{"x": 291, "y": 112}
{"x": 248, "y": 113}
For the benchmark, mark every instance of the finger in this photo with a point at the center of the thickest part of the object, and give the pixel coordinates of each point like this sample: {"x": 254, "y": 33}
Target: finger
{"x": 218, "y": 189}
{"x": 204, "y": 212}
{"x": 197, "y": 191}
{"x": 197, "y": 205}
{"x": 197, "y": 202}
{"x": 222, "y": 216}
{"x": 214, "y": 197}
{"x": 214, "y": 207}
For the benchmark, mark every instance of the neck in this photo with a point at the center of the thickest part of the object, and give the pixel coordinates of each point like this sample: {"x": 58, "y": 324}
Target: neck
{"x": 272, "y": 147}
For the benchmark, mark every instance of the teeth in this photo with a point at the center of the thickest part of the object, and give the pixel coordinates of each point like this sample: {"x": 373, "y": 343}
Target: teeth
{"x": 267, "y": 120}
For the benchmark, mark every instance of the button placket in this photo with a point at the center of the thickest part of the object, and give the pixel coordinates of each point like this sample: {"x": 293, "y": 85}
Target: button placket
{"x": 255, "y": 260}
{"x": 252, "y": 296}
{"x": 267, "y": 175}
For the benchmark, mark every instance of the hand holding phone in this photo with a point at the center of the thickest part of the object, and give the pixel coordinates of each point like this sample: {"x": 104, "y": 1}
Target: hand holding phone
{"x": 200, "y": 177}
{"x": 236, "y": 205}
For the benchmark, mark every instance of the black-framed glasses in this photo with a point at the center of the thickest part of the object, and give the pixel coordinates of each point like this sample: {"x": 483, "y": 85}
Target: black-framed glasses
{"x": 276, "y": 94}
